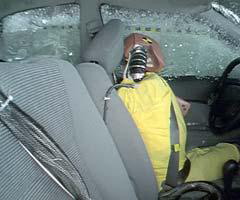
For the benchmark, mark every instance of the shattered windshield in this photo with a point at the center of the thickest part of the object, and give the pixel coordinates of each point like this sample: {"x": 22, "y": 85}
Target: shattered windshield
{"x": 232, "y": 5}
{"x": 227, "y": 10}
{"x": 191, "y": 45}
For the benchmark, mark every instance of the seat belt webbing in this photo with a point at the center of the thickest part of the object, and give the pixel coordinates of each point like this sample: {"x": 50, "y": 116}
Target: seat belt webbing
{"x": 173, "y": 165}
{"x": 42, "y": 148}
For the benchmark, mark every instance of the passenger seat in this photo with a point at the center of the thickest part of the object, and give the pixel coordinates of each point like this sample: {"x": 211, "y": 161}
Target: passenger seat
{"x": 107, "y": 50}
{"x": 52, "y": 92}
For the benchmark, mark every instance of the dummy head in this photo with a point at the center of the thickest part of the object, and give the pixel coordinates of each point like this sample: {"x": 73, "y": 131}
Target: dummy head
{"x": 155, "y": 60}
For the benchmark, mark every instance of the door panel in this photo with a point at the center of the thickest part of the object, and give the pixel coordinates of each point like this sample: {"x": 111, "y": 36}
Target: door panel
{"x": 197, "y": 92}
{"x": 193, "y": 89}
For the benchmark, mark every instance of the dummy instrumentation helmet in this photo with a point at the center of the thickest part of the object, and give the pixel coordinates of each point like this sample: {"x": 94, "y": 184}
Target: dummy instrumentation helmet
{"x": 154, "y": 52}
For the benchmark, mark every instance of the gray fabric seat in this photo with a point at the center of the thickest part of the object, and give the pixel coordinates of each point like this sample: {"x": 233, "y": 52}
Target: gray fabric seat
{"x": 107, "y": 50}
{"x": 52, "y": 92}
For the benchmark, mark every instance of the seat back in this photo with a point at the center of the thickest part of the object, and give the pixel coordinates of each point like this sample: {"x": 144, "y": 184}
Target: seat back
{"x": 52, "y": 92}
{"x": 119, "y": 122}
{"x": 106, "y": 49}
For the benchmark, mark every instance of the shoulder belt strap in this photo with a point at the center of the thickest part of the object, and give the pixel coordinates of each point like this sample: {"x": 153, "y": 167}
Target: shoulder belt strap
{"x": 173, "y": 165}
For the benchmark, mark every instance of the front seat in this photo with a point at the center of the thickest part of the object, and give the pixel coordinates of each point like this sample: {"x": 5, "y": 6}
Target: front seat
{"x": 52, "y": 92}
{"x": 107, "y": 50}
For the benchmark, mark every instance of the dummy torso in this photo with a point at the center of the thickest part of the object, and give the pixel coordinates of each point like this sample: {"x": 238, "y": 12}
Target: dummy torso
{"x": 150, "y": 106}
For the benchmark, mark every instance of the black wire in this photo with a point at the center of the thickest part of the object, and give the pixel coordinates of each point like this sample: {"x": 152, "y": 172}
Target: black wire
{"x": 213, "y": 191}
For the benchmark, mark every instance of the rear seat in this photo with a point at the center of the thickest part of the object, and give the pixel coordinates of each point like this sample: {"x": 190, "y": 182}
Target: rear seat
{"x": 107, "y": 50}
{"x": 52, "y": 92}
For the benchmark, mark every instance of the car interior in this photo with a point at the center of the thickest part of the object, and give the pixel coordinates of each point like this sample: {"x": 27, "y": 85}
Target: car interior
{"x": 57, "y": 60}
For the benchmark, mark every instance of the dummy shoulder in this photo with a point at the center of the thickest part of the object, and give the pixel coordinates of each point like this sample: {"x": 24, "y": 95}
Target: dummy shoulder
{"x": 155, "y": 79}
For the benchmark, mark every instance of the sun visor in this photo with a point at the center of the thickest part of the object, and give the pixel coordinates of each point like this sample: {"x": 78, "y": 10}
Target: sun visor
{"x": 188, "y": 6}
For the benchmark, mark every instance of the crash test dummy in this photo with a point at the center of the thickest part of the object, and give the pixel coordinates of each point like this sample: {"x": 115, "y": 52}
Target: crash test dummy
{"x": 158, "y": 114}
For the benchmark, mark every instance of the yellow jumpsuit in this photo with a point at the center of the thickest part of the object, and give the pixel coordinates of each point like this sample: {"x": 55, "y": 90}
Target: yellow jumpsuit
{"x": 149, "y": 104}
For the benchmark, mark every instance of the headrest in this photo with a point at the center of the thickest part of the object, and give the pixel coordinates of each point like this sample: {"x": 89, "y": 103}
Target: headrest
{"x": 106, "y": 48}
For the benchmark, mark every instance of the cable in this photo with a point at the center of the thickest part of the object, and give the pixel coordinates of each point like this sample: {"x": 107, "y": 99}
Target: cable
{"x": 38, "y": 143}
{"x": 108, "y": 93}
{"x": 214, "y": 192}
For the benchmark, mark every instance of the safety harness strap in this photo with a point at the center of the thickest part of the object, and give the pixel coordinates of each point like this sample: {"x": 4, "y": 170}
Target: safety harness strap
{"x": 42, "y": 148}
{"x": 173, "y": 165}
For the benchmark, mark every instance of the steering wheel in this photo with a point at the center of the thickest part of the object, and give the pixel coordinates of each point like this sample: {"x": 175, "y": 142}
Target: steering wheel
{"x": 224, "y": 115}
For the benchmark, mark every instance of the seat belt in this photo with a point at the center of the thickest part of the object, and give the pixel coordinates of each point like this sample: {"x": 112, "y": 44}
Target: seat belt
{"x": 42, "y": 148}
{"x": 173, "y": 164}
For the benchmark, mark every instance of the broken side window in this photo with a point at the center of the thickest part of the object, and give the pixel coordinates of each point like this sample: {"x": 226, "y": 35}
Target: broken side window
{"x": 42, "y": 31}
{"x": 190, "y": 44}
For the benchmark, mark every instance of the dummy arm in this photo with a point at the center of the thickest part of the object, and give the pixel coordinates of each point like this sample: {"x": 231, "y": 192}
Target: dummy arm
{"x": 184, "y": 106}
